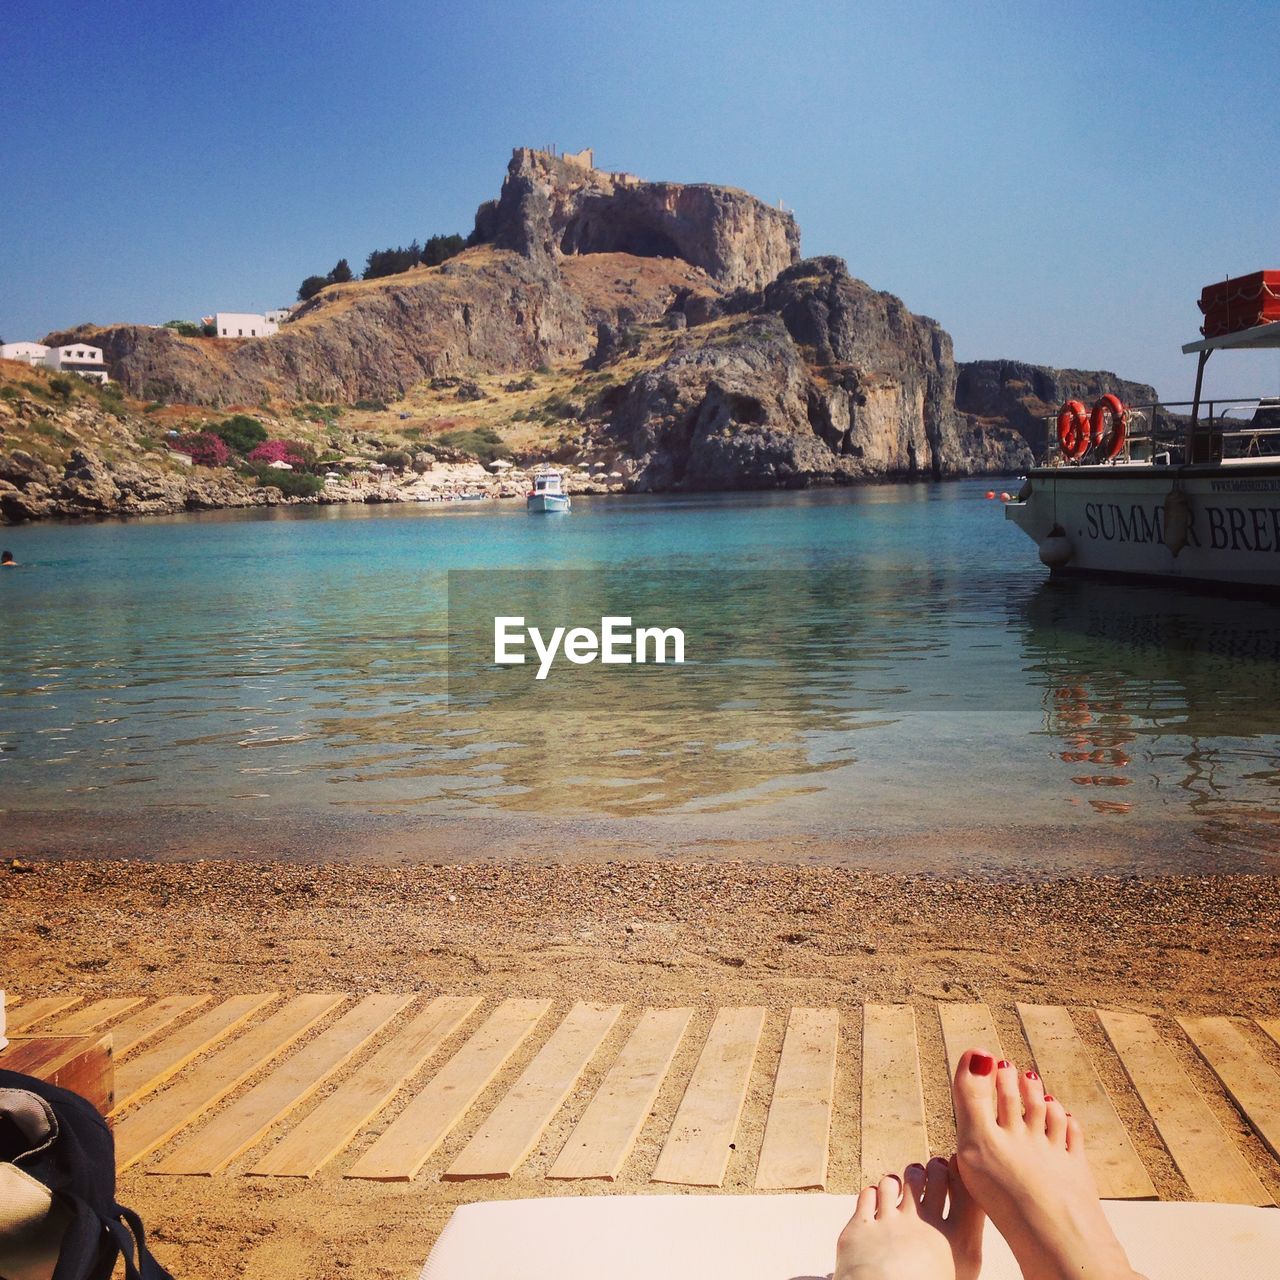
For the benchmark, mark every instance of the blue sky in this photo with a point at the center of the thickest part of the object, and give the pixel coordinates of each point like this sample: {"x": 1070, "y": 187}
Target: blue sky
{"x": 1054, "y": 182}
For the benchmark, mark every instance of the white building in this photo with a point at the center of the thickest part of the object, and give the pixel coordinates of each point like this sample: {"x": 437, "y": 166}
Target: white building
{"x": 27, "y": 352}
{"x": 279, "y": 315}
{"x": 78, "y": 358}
{"x": 244, "y": 324}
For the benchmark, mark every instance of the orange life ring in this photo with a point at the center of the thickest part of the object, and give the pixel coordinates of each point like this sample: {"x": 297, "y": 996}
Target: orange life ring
{"x": 1073, "y": 430}
{"x": 1108, "y": 441}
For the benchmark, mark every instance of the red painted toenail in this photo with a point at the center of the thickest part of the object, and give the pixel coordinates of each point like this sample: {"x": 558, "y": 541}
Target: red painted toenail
{"x": 1002, "y": 1064}
{"x": 981, "y": 1063}
{"x": 1031, "y": 1075}
{"x": 1048, "y": 1097}
{"x": 915, "y": 1164}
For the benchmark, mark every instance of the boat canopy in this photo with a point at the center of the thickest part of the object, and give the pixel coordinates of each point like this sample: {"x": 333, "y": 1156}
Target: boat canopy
{"x": 1260, "y": 337}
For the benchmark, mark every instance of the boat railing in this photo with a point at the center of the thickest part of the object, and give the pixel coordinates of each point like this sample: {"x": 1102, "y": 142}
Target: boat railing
{"x": 1157, "y": 433}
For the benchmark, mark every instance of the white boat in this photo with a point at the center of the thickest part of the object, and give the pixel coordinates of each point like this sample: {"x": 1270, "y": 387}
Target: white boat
{"x": 1126, "y": 491}
{"x": 548, "y": 492}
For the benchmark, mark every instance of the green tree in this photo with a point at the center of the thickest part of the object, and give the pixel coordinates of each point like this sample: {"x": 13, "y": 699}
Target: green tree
{"x": 310, "y": 287}
{"x": 241, "y": 433}
{"x": 341, "y": 272}
{"x": 183, "y": 327}
{"x": 390, "y": 262}
{"x": 440, "y": 249}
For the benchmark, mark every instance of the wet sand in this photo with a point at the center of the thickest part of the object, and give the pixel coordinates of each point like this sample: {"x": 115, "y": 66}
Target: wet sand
{"x": 1246, "y": 842}
{"x": 640, "y": 932}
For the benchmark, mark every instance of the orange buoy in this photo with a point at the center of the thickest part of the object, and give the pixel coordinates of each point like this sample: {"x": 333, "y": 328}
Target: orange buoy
{"x": 1073, "y": 430}
{"x": 1107, "y": 425}
{"x": 991, "y": 493}
{"x": 1004, "y": 497}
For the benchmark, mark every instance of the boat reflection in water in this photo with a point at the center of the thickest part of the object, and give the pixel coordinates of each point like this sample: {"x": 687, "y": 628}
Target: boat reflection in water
{"x": 1163, "y": 687}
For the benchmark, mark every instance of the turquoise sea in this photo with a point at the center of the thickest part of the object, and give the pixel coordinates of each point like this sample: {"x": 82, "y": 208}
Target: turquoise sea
{"x": 895, "y": 683}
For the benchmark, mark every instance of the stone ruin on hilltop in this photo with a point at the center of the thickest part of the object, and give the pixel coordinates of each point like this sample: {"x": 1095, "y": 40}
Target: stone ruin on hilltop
{"x": 553, "y": 205}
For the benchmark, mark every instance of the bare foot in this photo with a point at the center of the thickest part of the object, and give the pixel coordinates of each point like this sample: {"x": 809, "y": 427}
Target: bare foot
{"x": 1022, "y": 1158}
{"x": 902, "y": 1229}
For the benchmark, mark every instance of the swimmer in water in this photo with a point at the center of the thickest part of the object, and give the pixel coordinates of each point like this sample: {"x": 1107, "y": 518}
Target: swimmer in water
{"x": 7, "y": 561}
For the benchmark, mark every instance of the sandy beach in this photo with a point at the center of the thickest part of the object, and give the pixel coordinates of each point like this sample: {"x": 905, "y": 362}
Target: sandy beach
{"x": 656, "y": 933}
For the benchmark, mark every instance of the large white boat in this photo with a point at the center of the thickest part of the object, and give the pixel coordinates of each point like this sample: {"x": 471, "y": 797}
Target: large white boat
{"x": 548, "y": 492}
{"x": 1133, "y": 491}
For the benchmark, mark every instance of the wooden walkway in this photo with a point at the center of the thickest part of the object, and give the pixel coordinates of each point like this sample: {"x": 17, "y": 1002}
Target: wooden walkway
{"x": 267, "y": 1085}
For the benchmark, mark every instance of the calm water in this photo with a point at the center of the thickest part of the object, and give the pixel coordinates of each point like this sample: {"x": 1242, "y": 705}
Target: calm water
{"x": 893, "y": 672}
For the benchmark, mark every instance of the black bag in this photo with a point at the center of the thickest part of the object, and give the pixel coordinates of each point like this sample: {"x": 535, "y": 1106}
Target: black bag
{"x": 60, "y": 1140}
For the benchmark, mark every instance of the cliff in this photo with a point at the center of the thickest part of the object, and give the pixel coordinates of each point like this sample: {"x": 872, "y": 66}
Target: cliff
{"x": 488, "y": 309}
{"x": 1011, "y": 394}
{"x": 817, "y": 379}
{"x": 551, "y": 206}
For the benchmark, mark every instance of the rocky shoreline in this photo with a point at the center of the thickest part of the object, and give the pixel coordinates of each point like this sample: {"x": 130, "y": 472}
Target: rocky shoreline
{"x": 91, "y": 488}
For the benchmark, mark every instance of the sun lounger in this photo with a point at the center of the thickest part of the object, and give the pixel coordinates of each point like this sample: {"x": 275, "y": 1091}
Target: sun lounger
{"x": 693, "y": 1237}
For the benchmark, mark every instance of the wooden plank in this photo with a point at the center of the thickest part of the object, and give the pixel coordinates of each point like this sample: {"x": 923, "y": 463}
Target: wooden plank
{"x": 1271, "y": 1026}
{"x": 894, "y": 1133}
{"x": 82, "y": 1064}
{"x": 696, "y": 1153}
{"x": 92, "y": 1016}
{"x": 148, "y": 1071}
{"x": 338, "y": 1119}
{"x": 797, "y": 1133}
{"x": 967, "y": 1026}
{"x": 1063, "y": 1063}
{"x": 32, "y": 1012}
{"x": 210, "y": 1080}
{"x": 418, "y": 1130}
{"x": 249, "y": 1119}
{"x": 1245, "y": 1074}
{"x": 603, "y": 1139}
{"x": 130, "y": 1032}
{"x": 1206, "y": 1157}
{"x": 503, "y": 1142}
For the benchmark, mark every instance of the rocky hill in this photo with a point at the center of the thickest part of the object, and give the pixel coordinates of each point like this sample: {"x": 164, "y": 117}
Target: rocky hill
{"x": 816, "y": 379}
{"x": 554, "y": 205}
{"x": 1009, "y": 393}
{"x": 73, "y": 450}
{"x": 668, "y": 335}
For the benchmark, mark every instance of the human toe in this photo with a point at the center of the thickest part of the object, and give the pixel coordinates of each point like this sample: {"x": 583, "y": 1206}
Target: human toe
{"x": 1055, "y": 1121}
{"x": 913, "y": 1185}
{"x": 1075, "y": 1134}
{"x": 888, "y": 1194}
{"x": 865, "y": 1208}
{"x": 1031, "y": 1089}
{"x": 973, "y": 1091}
{"x": 1008, "y": 1096}
{"x": 933, "y": 1202}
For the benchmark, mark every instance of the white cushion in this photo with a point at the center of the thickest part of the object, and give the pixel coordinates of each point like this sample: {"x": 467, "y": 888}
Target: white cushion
{"x": 793, "y": 1237}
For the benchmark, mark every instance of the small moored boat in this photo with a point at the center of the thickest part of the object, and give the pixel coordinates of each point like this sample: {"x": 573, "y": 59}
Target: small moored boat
{"x": 548, "y": 492}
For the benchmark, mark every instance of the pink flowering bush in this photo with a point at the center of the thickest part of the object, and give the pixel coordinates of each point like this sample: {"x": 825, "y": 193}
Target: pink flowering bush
{"x": 294, "y": 452}
{"x": 204, "y": 448}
